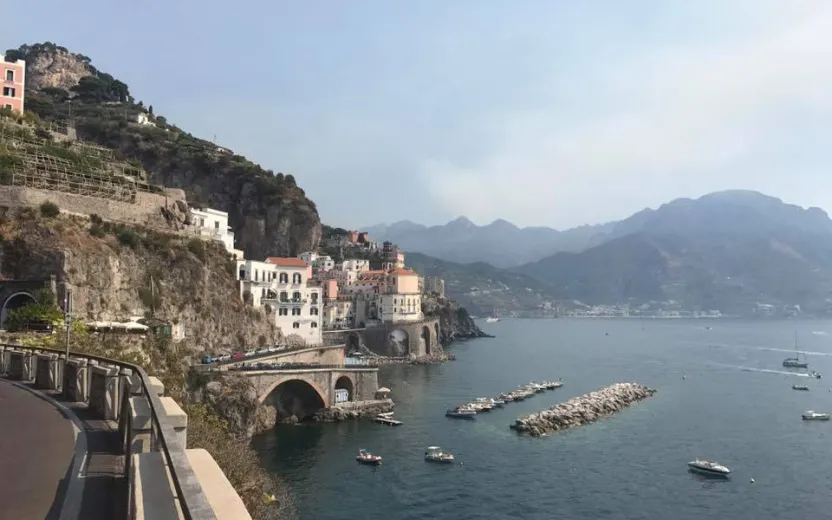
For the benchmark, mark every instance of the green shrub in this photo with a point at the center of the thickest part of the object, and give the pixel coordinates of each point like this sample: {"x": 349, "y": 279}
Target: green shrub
{"x": 49, "y": 209}
{"x": 197, "y": 248}
{"x": 128, "y": 237}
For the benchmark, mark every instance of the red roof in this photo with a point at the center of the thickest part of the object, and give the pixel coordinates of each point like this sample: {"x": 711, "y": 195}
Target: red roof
{"x": 403, "y": 272}
{"x": 286, "y": 261}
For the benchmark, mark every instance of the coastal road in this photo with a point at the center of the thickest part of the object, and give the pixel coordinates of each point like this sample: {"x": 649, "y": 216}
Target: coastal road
{"x": 37, "y": 445}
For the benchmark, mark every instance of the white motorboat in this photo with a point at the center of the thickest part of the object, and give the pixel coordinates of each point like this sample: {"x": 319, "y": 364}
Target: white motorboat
{"x": 365, "y": 457}
{"x": 461, "y": 412}
{"x": 811, "y": 415}
{"x": 706, "y": 467}
{"x": 800, "y": 387}
{"x": 489, "y": 401}
{"x": 481, "y": 406}
{"x": 435, "y": 454}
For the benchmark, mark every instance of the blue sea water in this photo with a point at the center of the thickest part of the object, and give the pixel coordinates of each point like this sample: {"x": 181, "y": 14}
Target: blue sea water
{"x": 735, "y": 405}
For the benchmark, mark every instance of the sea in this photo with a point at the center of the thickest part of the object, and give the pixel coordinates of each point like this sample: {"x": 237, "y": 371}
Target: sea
{"x": 722, "y": 395}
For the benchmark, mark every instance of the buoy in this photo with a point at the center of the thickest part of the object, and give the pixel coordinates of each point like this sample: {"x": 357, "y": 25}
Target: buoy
{"x": 752, "y": 480}
{"x": 684, "y": 376}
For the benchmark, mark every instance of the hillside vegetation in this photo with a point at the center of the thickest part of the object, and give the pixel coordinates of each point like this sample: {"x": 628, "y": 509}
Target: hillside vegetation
{"x": 269, "y": 212}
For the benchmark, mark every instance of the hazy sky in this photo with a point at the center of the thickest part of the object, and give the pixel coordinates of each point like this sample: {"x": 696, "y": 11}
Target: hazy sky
{"x": 540, "y": 112}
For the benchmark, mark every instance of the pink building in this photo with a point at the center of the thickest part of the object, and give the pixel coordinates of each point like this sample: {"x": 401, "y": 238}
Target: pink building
{"x": 14, "y": 78}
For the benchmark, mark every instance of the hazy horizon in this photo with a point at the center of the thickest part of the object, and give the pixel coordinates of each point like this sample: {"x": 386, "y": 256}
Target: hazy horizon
{"x": 542, "y": 113}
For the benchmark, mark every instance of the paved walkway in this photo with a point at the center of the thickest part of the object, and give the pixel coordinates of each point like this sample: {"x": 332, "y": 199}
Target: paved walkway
{"x": 37, "y": 452}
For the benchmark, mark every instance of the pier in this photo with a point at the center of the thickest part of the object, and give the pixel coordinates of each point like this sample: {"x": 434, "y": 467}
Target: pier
{"x": 583, "y": 409}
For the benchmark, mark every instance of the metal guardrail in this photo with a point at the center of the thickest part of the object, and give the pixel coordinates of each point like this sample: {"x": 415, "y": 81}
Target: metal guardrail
{"x": 192, "y": 500}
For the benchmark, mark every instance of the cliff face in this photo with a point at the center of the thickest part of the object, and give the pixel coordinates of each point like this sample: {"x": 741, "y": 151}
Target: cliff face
{"x": 52, "y": 66}
{"x": 270, "y": 213}
{"x": 116, "y": 273}
{"x": 454, "y": 321}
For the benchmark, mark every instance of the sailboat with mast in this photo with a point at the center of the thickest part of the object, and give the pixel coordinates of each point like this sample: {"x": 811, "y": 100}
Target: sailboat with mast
{"x": 493, "y": 318}
{"x": 795, "y": 362}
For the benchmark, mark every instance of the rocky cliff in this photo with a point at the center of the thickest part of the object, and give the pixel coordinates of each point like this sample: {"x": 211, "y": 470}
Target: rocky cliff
{"x": 269, "y": 212}
{"x": 117, "y": 272}
{"x": 454, "y": 321}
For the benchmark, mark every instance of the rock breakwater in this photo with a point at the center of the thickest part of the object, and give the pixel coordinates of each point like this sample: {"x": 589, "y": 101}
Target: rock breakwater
{"x": 583, "y": 409}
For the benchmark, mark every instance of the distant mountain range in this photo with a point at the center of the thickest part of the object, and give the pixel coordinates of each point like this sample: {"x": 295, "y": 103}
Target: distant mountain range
{"x": 729, "y": 250}
{"x": 500, "y": 243}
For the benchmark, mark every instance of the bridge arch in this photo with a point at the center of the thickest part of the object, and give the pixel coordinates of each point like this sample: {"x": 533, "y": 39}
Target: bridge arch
{"x": 425, "y": 336}
{"x": 345, "y": 383}
{"x": 295, "y": 396}
{"x": 398, "y": 342}
{"x": 15, "y": 301}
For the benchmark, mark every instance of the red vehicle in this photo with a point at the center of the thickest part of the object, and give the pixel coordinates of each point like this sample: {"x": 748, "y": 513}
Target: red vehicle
{"x": 237, "y": 356}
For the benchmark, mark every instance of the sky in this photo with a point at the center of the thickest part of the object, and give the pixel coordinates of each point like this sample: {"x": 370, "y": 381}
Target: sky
{"x": 540, "y": 112}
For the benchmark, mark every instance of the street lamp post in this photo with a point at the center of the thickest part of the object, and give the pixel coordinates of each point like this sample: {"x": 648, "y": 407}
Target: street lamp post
{"x": 67, "y": 320}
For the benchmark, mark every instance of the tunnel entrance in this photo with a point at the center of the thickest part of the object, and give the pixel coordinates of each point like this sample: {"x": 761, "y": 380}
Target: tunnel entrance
{"x": 15, "y": 301}
{"x": 295, "y": 398}
{"x": 426, "y": 339}
{"x": 344, "y": 383}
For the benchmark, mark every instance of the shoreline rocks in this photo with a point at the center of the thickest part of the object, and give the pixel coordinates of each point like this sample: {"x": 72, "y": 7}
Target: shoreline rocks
{"x": 583, "y": 409}
{"x": 356, "y": 410}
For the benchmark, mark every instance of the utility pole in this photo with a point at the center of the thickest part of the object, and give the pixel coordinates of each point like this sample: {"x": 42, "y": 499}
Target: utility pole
{"x": 67, "y": 322}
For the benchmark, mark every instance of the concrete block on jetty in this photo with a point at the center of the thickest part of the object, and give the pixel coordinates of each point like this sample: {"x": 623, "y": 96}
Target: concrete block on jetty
{"x": 583, "y": 409}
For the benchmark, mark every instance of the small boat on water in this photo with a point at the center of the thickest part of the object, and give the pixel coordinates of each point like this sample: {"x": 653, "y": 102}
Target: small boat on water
{"x": 493, "y": 318}
{"x": 810, "y": 415}
{"x": 815, "y": 375}
{"x": 800, "y": 387}
{"x": 795, "y": 362}
{"x": 435, "y": 454}
{"x": 461, "y": 412}
{"x": 488, "y": 401}
{"x": 706, "y": 467}
{"x": 365, "y": 457}
{"x": 506, "y": 398}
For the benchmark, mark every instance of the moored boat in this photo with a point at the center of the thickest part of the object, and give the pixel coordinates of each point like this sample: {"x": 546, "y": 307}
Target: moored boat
{"x": 435, "y": 454}
{"x": 810, "y": 415}
{"x": 706, "y": 467}
{"x": 800, "y": 387}
{"x": 461, "y": 412}
{"x": 795, "y": 362}
{"x": 365, "y": 457}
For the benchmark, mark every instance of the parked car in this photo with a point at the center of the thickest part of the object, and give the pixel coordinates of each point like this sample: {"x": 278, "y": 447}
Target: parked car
{"x": 207, "y": 359}
{"x": 237, "y": 356}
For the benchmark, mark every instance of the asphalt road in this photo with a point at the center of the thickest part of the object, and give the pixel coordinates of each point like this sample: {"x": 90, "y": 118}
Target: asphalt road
{"x": 36, "y": 450}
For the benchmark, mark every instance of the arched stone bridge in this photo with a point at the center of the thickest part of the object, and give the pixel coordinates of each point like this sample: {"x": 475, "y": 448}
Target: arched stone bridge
{"x": 302, "y": 392}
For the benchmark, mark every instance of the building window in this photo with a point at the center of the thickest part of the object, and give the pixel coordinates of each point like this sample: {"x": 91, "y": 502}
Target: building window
{"x": 8, "y": 106}
{"x": 296, "y": 296}
{"x": 284, "y": 296}
{"x": 296, "y": 325}
{"x": 8, "y": 91}
{"x": 10, "y": 75}
{"x": 242, "y": 270}
{"x": 216, "y": 225}
{"x": 313, "y": 325}
{"x": 284, "y": 278}
{"x": 295, "y": 312}
{"x": 283, "y": 311}
{"x": 297, "y": 278}
{"x": 313, "y": 311}
{"x": 314, "y": 297}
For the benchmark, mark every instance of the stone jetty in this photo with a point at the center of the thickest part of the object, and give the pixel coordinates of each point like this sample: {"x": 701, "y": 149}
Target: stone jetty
{"x": 583, "y": 409}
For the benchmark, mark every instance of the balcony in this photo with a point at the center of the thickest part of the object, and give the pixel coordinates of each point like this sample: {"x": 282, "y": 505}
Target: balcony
{"x": 293, "y": 302}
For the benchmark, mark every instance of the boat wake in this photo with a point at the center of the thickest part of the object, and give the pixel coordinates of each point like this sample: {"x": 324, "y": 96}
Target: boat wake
{"x": 766, "y": 370}
{"x": 769, "y": 349}
{"x": 819, "y": 332}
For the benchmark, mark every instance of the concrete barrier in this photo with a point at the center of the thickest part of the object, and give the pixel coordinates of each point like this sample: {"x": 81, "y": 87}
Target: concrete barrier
{"x": 15, "y": 370}
{"x": 177, "y": 418}
{"x": 29, "y": 365}
{"x": 104, "y": 392}
{"x": 222, "y": 497}
{"x": 47, "y": 374}
{"x": 76, "y": 380}
{"x": 152, "y": 496}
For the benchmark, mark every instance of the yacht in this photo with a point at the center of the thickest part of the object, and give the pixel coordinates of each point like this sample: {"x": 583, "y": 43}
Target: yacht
{"x": 795, "y": 362}
{"x": 480, "y": 406}
{"x": 706, "y": 467}
{"x": 493, "y": 318}
{"x": 506, "y": 398}
{"x": 461, "y": 412}
{"x": 365, "y": 457}
{"x": 811, "y": 415}
{"x": 489, "y": 401}
{"x": 435, "y": 454}
{"x": 800, "y": 387}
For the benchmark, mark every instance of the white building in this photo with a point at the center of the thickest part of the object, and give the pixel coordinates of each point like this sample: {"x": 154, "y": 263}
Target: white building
{"x": 144, "y": 119}
{"x": 257, "y": 278}
{"x": 319, "y": 263}
{"x": 339, "y": 314}
{"x": 213, "y": 223}
{"x": 296, "y": 301}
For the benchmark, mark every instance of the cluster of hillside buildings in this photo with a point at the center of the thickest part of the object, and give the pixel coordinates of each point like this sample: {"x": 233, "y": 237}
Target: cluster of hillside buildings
{"x": 312, "y": 293}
